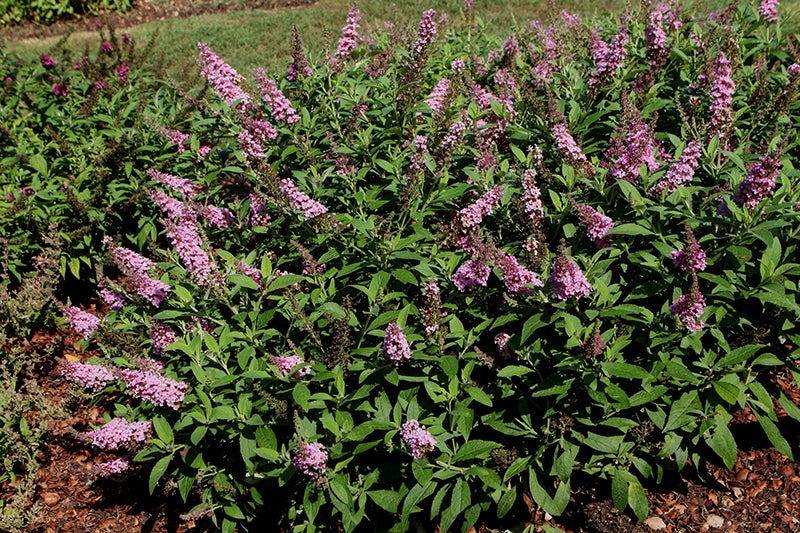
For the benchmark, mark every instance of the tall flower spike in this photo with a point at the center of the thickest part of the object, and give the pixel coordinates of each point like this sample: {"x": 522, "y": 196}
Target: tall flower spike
{"x": 299, "y": 67}
{"x": 119, "y": 433}
{"x": 567, "y": 280}
{"x": 722, "y": 91}
{"x": 91, "y": 376}
{"x": 279, "y": 105}
{"x": 681, "y": 171}
{"x": 349, "y": 38}
{"x": 471, "y": 217}
{"x": 760, "y": 181}
{"x": 689, "y": 307}
{"x": 136, "y": 267}
{"x": 156, "y": 389}
{"x": 769, "y": 10}
{"x": 82, "y": 322}
{"x": 691, "y": 257}
{"x": 223, "y": 79}
{"x": 426, "y": 34}
{"x": 300, "y": 200}
{"x": 568, "y": 147}
{"x": 597, "y": 224}
{"x": 395, "y": 346}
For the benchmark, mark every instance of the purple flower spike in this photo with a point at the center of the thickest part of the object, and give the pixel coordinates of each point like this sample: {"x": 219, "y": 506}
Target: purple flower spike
{"x": 395, "y": 346}
{"x": 567, "y": 279}
{"x": 760, "y": 181}
{"x": 417, "y": 439}
{"x": 119, "y": 433}
{"x": 310, "y": 459}
{"x": 349, "y": 38}
{"x": 689, "y": 308}
{"x": 691, "y": 257}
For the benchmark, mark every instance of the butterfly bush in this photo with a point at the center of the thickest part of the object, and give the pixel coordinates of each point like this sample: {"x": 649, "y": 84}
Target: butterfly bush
{"x": 511, "y": 237}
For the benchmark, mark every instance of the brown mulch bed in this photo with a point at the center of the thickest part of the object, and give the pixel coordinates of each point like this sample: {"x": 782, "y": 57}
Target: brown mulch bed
{"x": 144, "y": 11}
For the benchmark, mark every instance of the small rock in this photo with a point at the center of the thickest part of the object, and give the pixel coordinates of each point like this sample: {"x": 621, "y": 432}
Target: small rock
{"x": 715, "y": 521}
{"x": 655, "y": 522}
{"x": 50, "y": 498}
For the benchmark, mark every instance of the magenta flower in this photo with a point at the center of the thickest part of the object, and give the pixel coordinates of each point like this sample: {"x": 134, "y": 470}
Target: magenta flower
{"x": 119, "y": 433}
{"x": 310, "y": 459}
{"x": 223, "y": 79}
{"x": 47, "y": 61}
{"x": 760, "y": 181}
{"x": 122, "y": 72}
{"x": 395, "y": 346}
{"x": 251, "y": 272}
{"x": 657, "y": 49}
{"x": 633, "y": 146}
{"x": 432, "y": 312}
{"x": 114, "y": 300}
{"x": 184, "y": 186}
{"x": 111, "y": 468}
{"x": 568, "y": 147}
{"x": 531, "y": 197}
{"x": 453, "y": 136}
{"x": 471, "y": 274}
{"x": 691, "y": 257}
{"x": 681, "y": 171}
{"x": 769, "y": 10}
{"x": 106, "y": 47}
{"x": 279, "y": 105}
{"x": 136, "y": 267}
{"x": 515, "y": 276}
{"x": 161, "y": 336}
{"x": 609, "y": 57}
{"x": 349, "y": 38}
{"x": 60, "y": 89}
{"x": 300, "y": 200}
{"x": 87, "y": 375}
{"x": 299, "y": 66}
{"x": 689, "y": 308}
{"x": 437, "y": 99}
{"x": 501, "y": 341}
{"x": 722, "y": 91}
{"x": 597, "y": 224}
{"x": 567, "y": 280}
{"x": 157, "y": 389}
{"x": 426, "y": 34}
{"x": 417, "y": 439}
{"x": 287, "y": 364}
{"x": 472, "y": 216}
{"x": 82, "y": 322}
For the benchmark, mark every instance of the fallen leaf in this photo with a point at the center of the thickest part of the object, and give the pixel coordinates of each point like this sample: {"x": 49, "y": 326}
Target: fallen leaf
{"x": 655, "y": 522}
{"x": 715, "y": 521}
{"x": 51, "y": 498}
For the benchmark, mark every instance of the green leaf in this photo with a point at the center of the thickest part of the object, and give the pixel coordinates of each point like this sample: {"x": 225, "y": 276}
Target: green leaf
{"x": 281, "y": 282}
{"x": 301, "y": 395}
{"x": 158, "y": 471}
{"x": 626, "y": 370}
{"x": 474, "y": 449}
{"x": 387, "y": 500}
{"x": 770, "y": 259}
{"x": 637, "y": 499}
{"x": 727, "y": 391}
{"x": 629, "y": 229}
{"x": 241, "y": 280}
{"x": 39, "y": 164}
{"x": 163, "y": 429}
{"x": 513, "y": 370}
{"x": 450, "y": 365}
{"x": 774, "y": 435}
{"x": 738, "y": 355}
{"x": 234, "y": 511}
{"x": 723, "y": 443}
{"x": 506, "y": 502}
{"x": 479, "y": 396}
{"x": 678, "y": 416}
{"x": 619, "y": 489}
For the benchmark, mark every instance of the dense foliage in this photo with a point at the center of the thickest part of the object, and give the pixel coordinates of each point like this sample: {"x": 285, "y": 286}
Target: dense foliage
{"x": 431, "y": 273}
{"x": 48, "y": 11}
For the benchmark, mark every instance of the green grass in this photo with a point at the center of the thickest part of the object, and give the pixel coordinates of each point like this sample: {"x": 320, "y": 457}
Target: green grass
{"x": 260, "y": 38}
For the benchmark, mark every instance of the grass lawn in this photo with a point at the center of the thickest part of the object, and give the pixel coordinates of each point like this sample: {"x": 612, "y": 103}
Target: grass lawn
{"x": 260, "y": 38}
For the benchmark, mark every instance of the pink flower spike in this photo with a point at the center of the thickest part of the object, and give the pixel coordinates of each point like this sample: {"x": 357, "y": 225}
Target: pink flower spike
{"x": 395, "y": 346}
{"x": 567, "y": 280}
{"x": 310, "y": 459}
{"x": 417, "y": 439}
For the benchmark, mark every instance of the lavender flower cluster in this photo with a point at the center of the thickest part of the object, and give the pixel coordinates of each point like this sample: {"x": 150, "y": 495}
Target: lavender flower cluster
{"x": 567, "y": 280}
{"x": 310, "y": 459}
{"x": 395, "y": 345}
{"x": 300, "y": 200}
{"x": 417, "y": 439}
{"x": 119, "y": 433}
